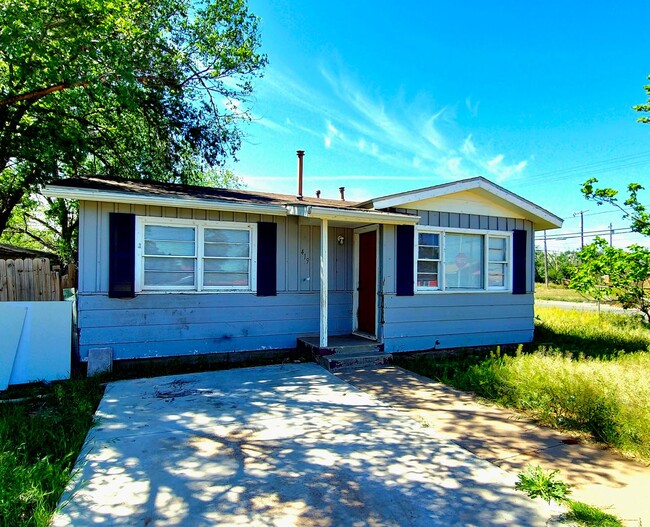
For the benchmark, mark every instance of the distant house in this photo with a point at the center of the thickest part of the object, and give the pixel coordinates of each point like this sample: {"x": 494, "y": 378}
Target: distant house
{"x": 168, "y": 270}
{"x": 11, "y": 252}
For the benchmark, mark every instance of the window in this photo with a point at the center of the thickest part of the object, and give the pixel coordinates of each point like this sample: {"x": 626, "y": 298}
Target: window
{"x": 462, "y": 261}
{"x": 428, "y": 260}
{"x": 497, "y": 262}
{"x": 195, "y": 255}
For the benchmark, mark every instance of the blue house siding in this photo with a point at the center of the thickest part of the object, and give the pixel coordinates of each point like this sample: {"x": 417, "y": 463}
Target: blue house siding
{"x": 160, "y": 325}
{"x": 167, "y": 324}
{"x": 449, "y": 320}
{"x": 297, "y": 253}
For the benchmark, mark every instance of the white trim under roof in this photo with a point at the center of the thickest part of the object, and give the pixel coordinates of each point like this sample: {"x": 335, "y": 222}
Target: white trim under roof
{"x": 308, "y": 211}
{"x": 110, "y": 196}
{"x": 353, "y": 215}
{"x": 542, "y": 218}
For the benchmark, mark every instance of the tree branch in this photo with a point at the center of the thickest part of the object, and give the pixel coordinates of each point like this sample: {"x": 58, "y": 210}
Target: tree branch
{"x": 39, "y": 94}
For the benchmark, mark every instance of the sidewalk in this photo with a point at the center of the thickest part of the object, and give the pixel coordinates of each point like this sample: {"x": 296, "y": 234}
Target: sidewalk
{"x": 599, "y": 476}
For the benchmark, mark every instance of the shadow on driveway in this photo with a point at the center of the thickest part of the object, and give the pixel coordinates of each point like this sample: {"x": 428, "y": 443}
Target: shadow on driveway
{"x": 277, "y": 446}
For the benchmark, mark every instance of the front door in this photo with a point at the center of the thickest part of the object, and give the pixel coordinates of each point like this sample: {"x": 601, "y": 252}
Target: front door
{"x": 367, "y": 280}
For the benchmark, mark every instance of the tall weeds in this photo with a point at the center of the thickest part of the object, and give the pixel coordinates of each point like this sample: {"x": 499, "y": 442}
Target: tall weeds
{"x": 591, "y": 377}
{"x": 40, "y": 439}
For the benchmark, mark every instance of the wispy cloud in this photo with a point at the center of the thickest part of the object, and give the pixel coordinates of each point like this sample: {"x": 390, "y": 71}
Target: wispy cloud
{"x": 415, "y": 136}
{"x": 472, "y": 107}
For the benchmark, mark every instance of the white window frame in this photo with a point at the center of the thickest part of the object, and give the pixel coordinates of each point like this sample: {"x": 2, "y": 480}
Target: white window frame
{"x": 442, "y": 285}
{"x": 199, "y": 226}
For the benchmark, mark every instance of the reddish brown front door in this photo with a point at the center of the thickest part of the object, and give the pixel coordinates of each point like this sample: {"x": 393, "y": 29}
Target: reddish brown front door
{"x": 367, "y": 282}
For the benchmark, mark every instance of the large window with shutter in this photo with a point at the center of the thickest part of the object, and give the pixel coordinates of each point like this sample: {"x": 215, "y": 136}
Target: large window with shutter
{"x": 191, "y": 255}
{"x": 462, "y": 260}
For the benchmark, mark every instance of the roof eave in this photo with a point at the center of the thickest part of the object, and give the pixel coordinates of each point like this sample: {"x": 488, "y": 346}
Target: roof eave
{"x": 187, "y": 202}
{"x": 353, "y": 215}
{"x": 541, "y": 218}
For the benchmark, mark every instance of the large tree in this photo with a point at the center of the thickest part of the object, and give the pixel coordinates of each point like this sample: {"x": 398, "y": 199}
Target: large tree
{"x": 150, "y": 89}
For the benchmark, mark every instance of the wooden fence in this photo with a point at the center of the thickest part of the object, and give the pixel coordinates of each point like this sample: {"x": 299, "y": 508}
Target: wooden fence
{"x": 31, "y": 280}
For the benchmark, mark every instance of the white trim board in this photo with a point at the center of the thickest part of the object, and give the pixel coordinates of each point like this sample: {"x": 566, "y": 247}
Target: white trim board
{"x": 484, "y": 190}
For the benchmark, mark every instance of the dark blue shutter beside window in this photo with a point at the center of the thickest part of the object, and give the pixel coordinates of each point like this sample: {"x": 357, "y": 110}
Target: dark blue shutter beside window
{"x": 267, "y": 241}
{"x": 518, "y": 262}
{"x": 121, "y": 264}
{"x": 404, "y": 260}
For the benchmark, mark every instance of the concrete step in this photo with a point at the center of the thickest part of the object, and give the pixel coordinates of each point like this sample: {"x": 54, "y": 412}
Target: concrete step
{"x": 339, "y": 344}
{"x": 355, "y": 359}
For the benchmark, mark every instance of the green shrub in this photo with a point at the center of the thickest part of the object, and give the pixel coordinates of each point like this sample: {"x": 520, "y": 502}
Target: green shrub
{"x": 588, "y": 516}
{"x": 540, "y": 484}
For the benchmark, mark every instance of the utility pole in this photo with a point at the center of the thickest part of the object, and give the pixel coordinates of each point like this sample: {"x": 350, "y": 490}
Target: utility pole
{"x": 545, "y": 262}
{"x": 611, "y": 234}
{"x": 582, "y": 226}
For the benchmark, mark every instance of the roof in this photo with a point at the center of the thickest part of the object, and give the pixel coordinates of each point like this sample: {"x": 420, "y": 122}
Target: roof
{"x": 176, "y": 190}
{"x": 376, "y": 210}
{"x": 542, "y": 218}
{"x": 142, "y": 192}
{"x": 8, "y": 252}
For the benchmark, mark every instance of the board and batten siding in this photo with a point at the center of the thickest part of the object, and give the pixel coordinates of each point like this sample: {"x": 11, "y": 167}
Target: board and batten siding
{"x": 163, "y": 325}
{"x": 298, "y": 250}
{"x": 167, "y": 324}
{"x": 456, "y": 319}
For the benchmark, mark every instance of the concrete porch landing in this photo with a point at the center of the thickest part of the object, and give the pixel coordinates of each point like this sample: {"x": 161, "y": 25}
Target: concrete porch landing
{"x": 345, "y": 351}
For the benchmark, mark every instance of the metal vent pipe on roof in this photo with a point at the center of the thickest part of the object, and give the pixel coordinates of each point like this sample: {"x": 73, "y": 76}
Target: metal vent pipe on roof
{"x": 301, "y": 154}
{"x": 318, "y": 194}
{"x": 342, "y": 191}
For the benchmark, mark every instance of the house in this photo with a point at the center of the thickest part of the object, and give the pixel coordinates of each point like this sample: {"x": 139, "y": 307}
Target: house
{"x": 12, "y": 252}
{"x": 168, "y": 270}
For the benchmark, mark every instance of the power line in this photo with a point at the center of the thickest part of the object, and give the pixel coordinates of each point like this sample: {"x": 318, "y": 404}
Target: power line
{"x": 591, "y": 169}
{"x": 613, "y": 211}
{"x": 577, "y": 234}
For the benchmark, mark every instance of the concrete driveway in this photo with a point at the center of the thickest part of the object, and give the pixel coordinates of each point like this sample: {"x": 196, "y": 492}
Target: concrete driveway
{"x": 288, "y": 445}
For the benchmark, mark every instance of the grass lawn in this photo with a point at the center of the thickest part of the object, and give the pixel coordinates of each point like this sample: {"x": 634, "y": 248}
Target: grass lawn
{"x": 40, "y": 438}
{"x": 585, "y": 372}
{"x": 558, "y": 292}
{"x": 43, "y": 429}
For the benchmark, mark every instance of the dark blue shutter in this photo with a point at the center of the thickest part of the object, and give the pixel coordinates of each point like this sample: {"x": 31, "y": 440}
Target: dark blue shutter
{"x": 121, "y": 260}
{"x": 404, "y": 260}
{"x": 267, "y": 241}
{"x": 519, "y": 264}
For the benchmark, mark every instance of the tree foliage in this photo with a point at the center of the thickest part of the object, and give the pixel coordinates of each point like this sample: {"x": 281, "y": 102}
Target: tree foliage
{"x": 560, "y": 266}
{"x": 152, "y": 90}
{"x": 631, "y": 208}
{"x": 644, "y": 107}
{"x": 45, "y": 223}
{"x": 609, "y": 273}
{"x": 50, "y": 224}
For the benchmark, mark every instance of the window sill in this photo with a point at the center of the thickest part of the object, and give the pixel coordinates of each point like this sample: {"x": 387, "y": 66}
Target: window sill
{"x": 464, "y": 292}
{"x": 190, "y": 292}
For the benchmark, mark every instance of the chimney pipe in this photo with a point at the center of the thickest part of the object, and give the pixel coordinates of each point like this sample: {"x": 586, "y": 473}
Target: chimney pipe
{"x": 301, "y": 154}
{"x": 342, "y": 191}
{"x": 318, "y": 194}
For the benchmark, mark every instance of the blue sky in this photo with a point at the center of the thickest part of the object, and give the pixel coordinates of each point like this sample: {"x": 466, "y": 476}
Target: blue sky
{"x": 386, "y": 97}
